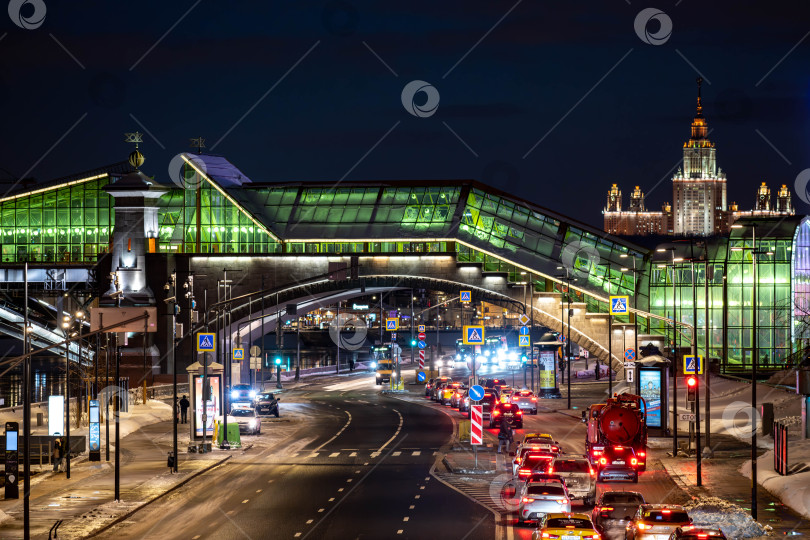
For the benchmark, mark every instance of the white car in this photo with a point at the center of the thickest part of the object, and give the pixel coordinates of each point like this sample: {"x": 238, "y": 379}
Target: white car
{"x": 247, "y": 419}
{"x": 540, "y": 499}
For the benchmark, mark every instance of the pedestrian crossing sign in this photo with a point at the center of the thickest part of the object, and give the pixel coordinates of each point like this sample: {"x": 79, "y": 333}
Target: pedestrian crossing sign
{"x": 238, "y": 353}
{"x": 524, "y": 341}
{"x": 421, "y": 328}
{"x": 618, "y": 305}
{"x": 392, "y": 324}
{"x": 465, "y": 297}
{"x": 473, "y": 335}
{"x": 692, "y": 365}
{"x": 206, "y": 342}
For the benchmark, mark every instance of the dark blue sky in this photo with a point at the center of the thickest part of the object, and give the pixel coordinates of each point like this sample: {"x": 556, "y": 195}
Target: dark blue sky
{"x": 507, "y": 93}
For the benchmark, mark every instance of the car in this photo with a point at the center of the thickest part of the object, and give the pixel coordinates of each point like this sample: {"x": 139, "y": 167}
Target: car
{"x": 429, "y": 386}
{"x": 491, "y": 384}
{"x": 614, "y": 510}
{"x": 617, "y": 463}
{"x": 541, "y": 499}
{"x": 532, "y": 463}
{"x": 436, "y": 395}
{"x": 505, "y": 394}
{"x": 526, "y": 400}
{"x": 541, "y": 444}
{"x": 697, "y": 533}
{"x": 458, "y": 397}
{"x": 488, "y": 403}
{"x": 542, "y": 476}
{"x": 579, "y": 476}
{"x": 448, "y": 392}
{"x": 522, "y": 451}
{"x": 247, "y": 419}
{"x": 266, "y": 404}
{"x": 385, "y": 369}
{"x": 432, "y": 383}
{"x": 656, "y": 522}
{"x": 566, "y": 527}
{"x": 241, "y": 393}
{"x": 506, "y": 411}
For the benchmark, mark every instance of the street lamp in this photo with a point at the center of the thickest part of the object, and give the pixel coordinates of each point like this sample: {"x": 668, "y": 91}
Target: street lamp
{"x": 674, "y": 350}
{"x": 171, "y": 285}
{"x": 569, "y": 279}
{"x": 755, "y": 358}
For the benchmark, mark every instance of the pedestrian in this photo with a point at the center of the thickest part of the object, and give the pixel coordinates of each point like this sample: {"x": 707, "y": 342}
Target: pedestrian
{"x": 505, "y": 436}
{"x": 62, "y": 451}
{"x": 56, "y": 454}
{"x": 351, "y": 364}
{"x": 184, "y": 405}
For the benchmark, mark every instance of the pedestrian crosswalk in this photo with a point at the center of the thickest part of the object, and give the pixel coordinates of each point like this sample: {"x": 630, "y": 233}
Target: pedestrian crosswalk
{"x": 480, "y": 491}
{"x": 363, "y": 453}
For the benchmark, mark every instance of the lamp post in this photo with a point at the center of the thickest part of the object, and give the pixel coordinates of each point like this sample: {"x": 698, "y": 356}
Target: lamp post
{"x": 635, "y": 303}
{"x": 172, "y": 285}
{"x": 755, "y": 358}
{"x": 568, "y": 279}
{"x": 674, "y": 350}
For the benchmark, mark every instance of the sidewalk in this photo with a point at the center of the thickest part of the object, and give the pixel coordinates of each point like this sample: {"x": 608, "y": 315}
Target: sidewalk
{"x": 85, "y": 502}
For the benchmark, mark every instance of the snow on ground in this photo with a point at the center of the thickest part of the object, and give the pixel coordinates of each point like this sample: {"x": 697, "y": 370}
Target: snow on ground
{"x": 734, "y": 521}
{"x": 794, "y": 489}
{"x": 142, "y": 415}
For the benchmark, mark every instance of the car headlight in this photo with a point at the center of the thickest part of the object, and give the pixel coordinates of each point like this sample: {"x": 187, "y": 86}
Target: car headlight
{"x": 252, "y": 423}
{"x": 458, "y": 357}
{"x": 234, "y": 394}
{"x": 252, "y": 394}
{"x": 373, "y": 365}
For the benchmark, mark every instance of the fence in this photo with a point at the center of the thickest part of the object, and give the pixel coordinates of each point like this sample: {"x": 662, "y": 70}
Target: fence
{"x": 780, "y": 448}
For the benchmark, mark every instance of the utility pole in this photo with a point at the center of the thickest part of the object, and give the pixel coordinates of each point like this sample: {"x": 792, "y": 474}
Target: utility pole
{"x": 27, "y": 418}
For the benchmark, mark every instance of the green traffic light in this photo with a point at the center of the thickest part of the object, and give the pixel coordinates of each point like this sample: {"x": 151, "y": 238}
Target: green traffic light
{"x": 278, "y": 361}
{"x": 413, "y": 343}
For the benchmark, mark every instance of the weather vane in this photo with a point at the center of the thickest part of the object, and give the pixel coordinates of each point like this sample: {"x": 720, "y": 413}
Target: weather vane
{"x": 198, "y": 143}
{"x": 136, "y": 138}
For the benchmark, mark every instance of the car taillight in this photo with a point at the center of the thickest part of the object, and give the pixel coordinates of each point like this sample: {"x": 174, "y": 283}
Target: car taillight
{"x": 642, "y": 454}
{"x": 666, "y": 511}
{"x": 633, "y": 461}
{"x": 555, "y": 448}
{"x": 562, "y": 501}
{"x": 524, "y": 472}
{"x": 596, "y": 453}
{"x": 618, "y": 447}
{"x": 703, "y": 536}
{"x": 528, "y": 499}
{"x": 606, "y": 509}
{"x": 519, "y": 413}
{"x": 534, "y": 399}
{"x": 644, "y": 526}
{"x": 496, "y": 412}
{"x": 602, "y": 461}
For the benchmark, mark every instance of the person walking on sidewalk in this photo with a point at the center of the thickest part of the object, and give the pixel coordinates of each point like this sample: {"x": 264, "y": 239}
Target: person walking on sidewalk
{"x": 184, "y": 405}
{"x": 56, "y": 454}
{"x": 505, "y": 436}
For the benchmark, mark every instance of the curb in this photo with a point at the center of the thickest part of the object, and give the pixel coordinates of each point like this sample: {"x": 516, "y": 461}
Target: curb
{"x": 180, "y": 484}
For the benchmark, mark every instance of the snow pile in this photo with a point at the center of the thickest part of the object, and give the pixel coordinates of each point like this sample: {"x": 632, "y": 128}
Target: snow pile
{"x": 4, "y": 516}
{"x": 794, "y": 489}
{"x": 716, "y": 513}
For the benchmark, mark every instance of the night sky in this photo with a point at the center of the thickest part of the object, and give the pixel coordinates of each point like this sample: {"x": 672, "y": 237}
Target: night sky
{"x": 607, "y": 106}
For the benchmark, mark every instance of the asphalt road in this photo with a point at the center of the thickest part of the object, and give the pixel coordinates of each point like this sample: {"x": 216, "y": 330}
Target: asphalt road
{"x": 358, "y": 468}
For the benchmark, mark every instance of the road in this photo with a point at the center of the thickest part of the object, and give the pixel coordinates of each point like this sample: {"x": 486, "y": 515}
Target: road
{"x": 359, "y": 468}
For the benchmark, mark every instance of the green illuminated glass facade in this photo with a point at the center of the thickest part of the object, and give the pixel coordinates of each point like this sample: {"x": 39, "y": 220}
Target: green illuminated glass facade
{"x": 71, "y": 223}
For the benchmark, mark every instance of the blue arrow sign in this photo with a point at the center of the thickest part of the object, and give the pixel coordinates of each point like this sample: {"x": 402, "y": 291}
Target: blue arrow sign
{"x": 476, "y": 392}
{"x": 524, "y": 331}
{"x": 420, "y": 377}
{"x": 422, "y": 344}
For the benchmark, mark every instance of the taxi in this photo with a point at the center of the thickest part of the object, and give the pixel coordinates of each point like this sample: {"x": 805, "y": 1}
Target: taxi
{"x": 565, "y": 526}
{"x": 446, "y": 393}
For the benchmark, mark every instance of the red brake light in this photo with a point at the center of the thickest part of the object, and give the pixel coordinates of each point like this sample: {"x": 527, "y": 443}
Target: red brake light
{"x": 606, "y": 509}
{"x": 703, "y": 536}
{"x": 644, "y": 526}
{"x": 642, "y": 454}
{"x": 618, "y": 447}
{"x": 555, "y": 448}
{"x": 519, "y": 413}
{"x": 602, "y": 461}
{"x": 497, "y": 412}
{"x": 633, "y": 461}
{"x": 666, "y": 511}
{"x": 534, "y": 399}
{"x": 593, "y": 473}
{"x": 524, "y": 472}
{"x": 527, "y": 499}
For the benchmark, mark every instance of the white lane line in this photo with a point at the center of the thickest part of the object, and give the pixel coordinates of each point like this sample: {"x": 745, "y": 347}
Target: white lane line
{"x": 258, "y": 491}
{"x": 229, "y": 512}
{"x": 195, "y": 537}
{"x": 340, "y": 489}
{"x": 411, "y": 507}
{"x": 331, "y": 499}
{"x": 397, "y": 453}
{"x": 416, "y": 453}
{"x": 349, "y": 421}
{"x": 297, "y": 535}
{"x": 349, "y": 480}
{"x": 353, "y": 454}
{"x": 334, "y": 454}
{"x": 312, "y": 455}
{"x": 309, "y": 521}
{"x": 245, "y": 501}
{"x": 375, "y": 454}
{"x": 270, "y": 481}
{"x": 366, "y": 463}
{"x": 321, "y": 510}
{"x": 427, "y": 479}
{"x": 416, "y": 496}
{"x": 400, "y": 531}
{"x": 399, "y": 428}
{"x": 406, "y": 518}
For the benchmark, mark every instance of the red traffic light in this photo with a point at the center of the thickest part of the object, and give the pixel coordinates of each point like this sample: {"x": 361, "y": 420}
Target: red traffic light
{"x": 691, "y": 381}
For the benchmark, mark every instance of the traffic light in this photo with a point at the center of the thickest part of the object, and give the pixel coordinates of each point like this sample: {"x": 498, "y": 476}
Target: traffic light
{"x": 278, "y": 360}
{"x": 413, "y": 343}
{"x": 524, "y": 358}
{"x": 691, "y": 389}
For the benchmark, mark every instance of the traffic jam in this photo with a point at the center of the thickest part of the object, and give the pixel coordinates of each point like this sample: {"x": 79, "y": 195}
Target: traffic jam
{"x": 547, "y": 479}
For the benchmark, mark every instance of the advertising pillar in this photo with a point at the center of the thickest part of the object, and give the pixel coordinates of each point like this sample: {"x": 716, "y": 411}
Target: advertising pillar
{"x": 94, "y": 436}
{"x": 547, "y": 375}
{"x": 12, "y": 461}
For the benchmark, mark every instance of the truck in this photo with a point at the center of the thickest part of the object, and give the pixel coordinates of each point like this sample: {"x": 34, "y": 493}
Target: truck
{"x": 619, "y": 422}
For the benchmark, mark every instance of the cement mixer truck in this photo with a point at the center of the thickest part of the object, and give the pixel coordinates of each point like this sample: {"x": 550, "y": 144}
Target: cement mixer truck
{"x": 619, "y": 422}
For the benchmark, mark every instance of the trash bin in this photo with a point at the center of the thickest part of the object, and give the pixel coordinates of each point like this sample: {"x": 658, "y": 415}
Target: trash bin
{"x": 40, "y": 419}
{"x": 170, "y": 461}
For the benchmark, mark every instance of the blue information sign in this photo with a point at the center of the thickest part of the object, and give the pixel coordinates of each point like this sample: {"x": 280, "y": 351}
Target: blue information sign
{"x": 476, "y": 392}
{"x": 420, "y": 377}
{"x": 422, "y": 344}
{"x": 524, "y": 331}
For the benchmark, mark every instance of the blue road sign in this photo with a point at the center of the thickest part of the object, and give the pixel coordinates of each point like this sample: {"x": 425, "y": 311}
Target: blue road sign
{"x": 465, "y": 296}
{"x": 561, "y": 337}
{"x": 476, "y": 392}
{"x": 420, "y": 377}
{"x": 239, "y": 353}
{"x": 692, "y": 365}
{"x": 524, "y": 341}
{"x": 618, "y": 305}
{"x": 524, "y": 331}
{"x": 473, "y": 335}
{"x": 206, "y": 342}
{"x": 629, "y": 354}
{"x": 391, "y": 324}
{"x": 422, "y": 344}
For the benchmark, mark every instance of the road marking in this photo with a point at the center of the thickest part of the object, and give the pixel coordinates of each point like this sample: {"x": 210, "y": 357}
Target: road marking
{"x": 406, "y": 518}
{"x": 270, "y": 481}
{"x": 366, "y": 463}
{"x": 245, "y": 501}
{"x": 340, "y": 489}
{"x": 321, "y": 510}
{"x": 380, "y": 449}
{"x": 349, "y": 421}
{"x": 334, "y": 454}
{"x": 312, "y": 455}
{"x": 297, "y": 535}
{"x": 349, "y": 480}
{"x": 395, "y": 454}
{"x": 416, "y": 496}
{"x": 411, "y": 507}
{"x": 229, "y": 512}
{"x": 375, "y": 454}
{"x": 400, "y": 531}
{"x": 258, "y": 491}
{"x": 353, "y": 454}
{"x": 309, "y": 521}
{"x": 195, "y": 537}
{"x": 356, "y": 472}
{"x": 421, "y": 487}
{"x": 331, "y": 499}
{"x": 416, "y": 453}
